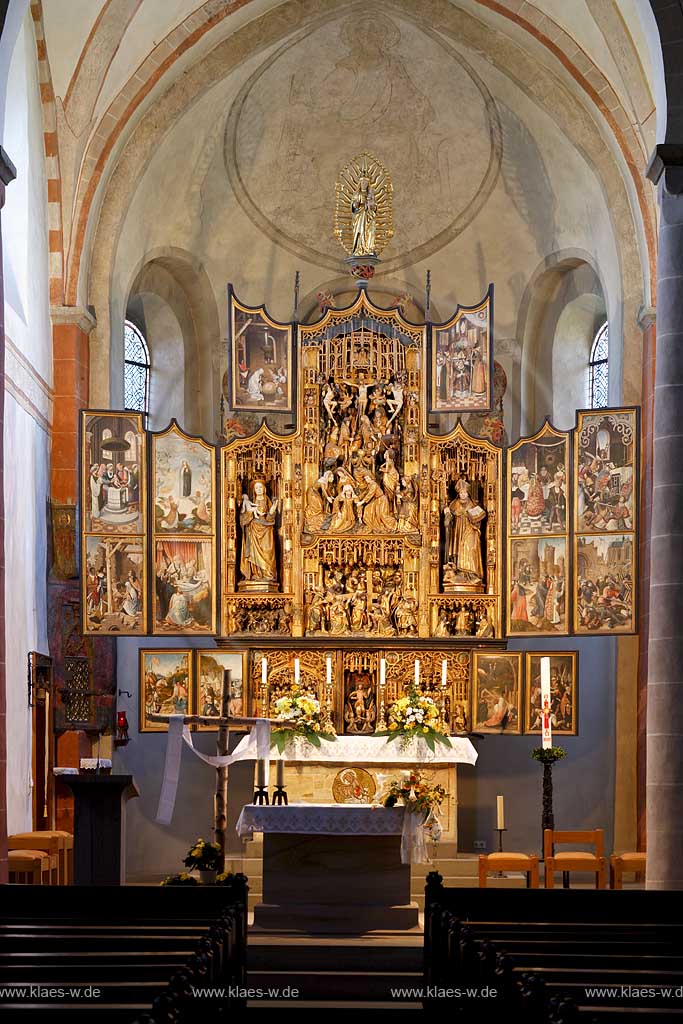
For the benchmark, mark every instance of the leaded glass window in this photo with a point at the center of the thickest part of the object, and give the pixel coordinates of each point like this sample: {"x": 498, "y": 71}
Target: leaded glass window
{"x": 598, "y": 370}
{"x": 136, "y": 368}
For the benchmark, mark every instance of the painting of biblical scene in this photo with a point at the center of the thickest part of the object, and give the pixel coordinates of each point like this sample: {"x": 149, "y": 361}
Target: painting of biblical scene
{"x": 605, "y": 471}
{"x": 261, "y": 358}
{"x": 537, "y": 574}
{"x": 604, "y": 601}
{"x": 456, "y": 715}
{"x": 360, "y": 702}
{"x": 563, "y": 692}
{"x": 165, "y": 686}
{"x": 114, "y": 586}
{"x": 461, "y": 361}
{"x": 496, "y": 693}
{"x": 184, "y": 592}
{"x": 537, "y": 485}
{"x": 113, "y": 461}
{"x": 183, "y": 475}
{"x": 210, "y": 668}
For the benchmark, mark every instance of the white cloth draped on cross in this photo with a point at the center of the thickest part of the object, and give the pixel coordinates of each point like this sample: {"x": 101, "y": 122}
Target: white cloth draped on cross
{"x": 255, "y": 746}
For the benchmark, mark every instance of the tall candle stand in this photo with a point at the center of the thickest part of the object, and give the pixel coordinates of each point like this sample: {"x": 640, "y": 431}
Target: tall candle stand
{"x": 382, "y": 717}
{"x": 500, "y": 845}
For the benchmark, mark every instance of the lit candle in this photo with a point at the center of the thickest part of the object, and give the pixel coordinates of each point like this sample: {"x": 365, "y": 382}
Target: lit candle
{"x": 264, "y": 671}
{"x": 279, "y": 772}
{"x": 260, "y": 773}
{"x": 545, "y": 704}
{"x": 444, "y": 673}
{"x": 500, "y": 808}
{"x": 296, "y": 671}
{"x": 417, "y": 672}
{"x": 329, "y": 672}
{"x": 382, "y": 673}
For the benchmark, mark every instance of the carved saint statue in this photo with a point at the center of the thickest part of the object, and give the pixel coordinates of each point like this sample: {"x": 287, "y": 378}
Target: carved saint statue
{"x": 257, "y": 519}
{"x": 364, "y": 218}
{"x": 462, "y": 519}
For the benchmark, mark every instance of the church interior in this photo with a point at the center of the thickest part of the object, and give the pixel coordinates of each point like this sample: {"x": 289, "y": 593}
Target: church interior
{"x": 341, "y": 507}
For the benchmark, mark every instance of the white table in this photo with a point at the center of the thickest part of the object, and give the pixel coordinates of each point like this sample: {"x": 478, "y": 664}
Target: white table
{"x": 363, "y": 750}
{"x": 332, "y": 867}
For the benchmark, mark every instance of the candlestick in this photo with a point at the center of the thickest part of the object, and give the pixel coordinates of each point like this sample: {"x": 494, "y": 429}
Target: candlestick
{"x": 260, "y": 773}
{"x": 381, "y": 718}
{"x": 444, "y": 673}
{"x": 329, "y": 672}
{"x": 264, "y": 671}
{"x": 500, "y": 808}
{"x": 297, "y": 671}
{"x": 547, "y": 741}
{"x": 279, "y": 772}
{"x": 417, "y": 672}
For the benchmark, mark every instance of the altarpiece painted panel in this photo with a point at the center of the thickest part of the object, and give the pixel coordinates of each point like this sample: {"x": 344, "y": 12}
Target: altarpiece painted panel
{"x": 261, "y": 360}
{"x": 461, "y": 360}
{"x": 114, "y": 533}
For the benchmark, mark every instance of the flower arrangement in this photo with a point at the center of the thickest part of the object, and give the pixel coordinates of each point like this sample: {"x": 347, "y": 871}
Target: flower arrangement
{"x": 184, "y": 878}
{"x": 418, "y": 796}
{"x": 416, "y": 715}
{"x": 304, "y": 710}
{"x": 203, "y": 856}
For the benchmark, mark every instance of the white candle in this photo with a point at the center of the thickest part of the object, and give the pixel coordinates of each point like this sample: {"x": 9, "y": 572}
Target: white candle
{"x": 444, "y": 673}
{"x": 329, "y": 672}
{"x": 264, "y": 671}
{"x": 500, "y": 808}
{"x": 417, "y": 672}
{"x": 545, "y": 703}
{"x": 260, "y": 773}
{"x": 382, "y": 673}
{"x": 296, "y": 671}
{"x": 280, "y": 772}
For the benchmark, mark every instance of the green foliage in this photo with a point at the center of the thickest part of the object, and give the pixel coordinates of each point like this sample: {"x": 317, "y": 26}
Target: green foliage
{"x": 548, "y": 755}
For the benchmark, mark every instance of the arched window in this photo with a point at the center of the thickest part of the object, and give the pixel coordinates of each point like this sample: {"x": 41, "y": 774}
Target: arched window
{"x": 136, "y": 368}
{"x": 598, "y": 370}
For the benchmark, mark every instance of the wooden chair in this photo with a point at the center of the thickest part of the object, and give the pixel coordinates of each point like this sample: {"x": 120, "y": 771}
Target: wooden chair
{"x": 31, "y": 867}
{"x": 574, "y": 860}
{"x": 620, "y": 862}
{"x": 53, "y": 843}
{"x": 526, "y": 862}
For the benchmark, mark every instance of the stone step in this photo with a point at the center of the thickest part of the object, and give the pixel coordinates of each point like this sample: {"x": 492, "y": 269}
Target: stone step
{"x": 334, "y": 986}
{"x": 311, "y": 955}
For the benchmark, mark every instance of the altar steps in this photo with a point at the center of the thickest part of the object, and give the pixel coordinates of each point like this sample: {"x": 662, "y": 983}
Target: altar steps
{"x": 335, "y": 973}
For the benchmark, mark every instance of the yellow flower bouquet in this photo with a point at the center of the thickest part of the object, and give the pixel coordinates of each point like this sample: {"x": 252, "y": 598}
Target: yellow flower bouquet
{"x": 415, "y": 715}
{"x": 304, "y": 710}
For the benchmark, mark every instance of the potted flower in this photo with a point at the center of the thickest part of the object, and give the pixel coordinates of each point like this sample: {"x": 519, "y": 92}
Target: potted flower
{"x": 304, "y": 711}
{"x": 415, "y": 716}
{"x": 184, "y": 878}
{"x": 204, "y": 858}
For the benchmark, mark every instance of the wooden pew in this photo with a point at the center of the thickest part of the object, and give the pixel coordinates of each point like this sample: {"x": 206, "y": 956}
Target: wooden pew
{"x": 543, "y": 956}
{"x": 143, "y": 948}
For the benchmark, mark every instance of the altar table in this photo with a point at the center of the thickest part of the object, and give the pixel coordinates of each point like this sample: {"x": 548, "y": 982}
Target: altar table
{"x": 331, "y": 868}
{"x": 363, "y": 750}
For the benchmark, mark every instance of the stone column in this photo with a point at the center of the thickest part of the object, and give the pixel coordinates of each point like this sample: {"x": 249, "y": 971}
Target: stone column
{"x": 664, "y": 788}
{"x": 7, "y": 173}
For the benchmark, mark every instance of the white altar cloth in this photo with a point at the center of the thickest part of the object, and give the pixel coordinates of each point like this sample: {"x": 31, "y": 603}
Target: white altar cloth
{"x": 338, "y": 820}
{"x": 321, "y": 819}
{"x": 359, "y": 750}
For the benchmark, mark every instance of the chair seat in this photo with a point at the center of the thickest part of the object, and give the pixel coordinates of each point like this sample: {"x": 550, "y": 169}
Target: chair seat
{"x": 26, "y": 856}
{"x": 634, "y": 859}
{"x": 519, "y": 858}
{"x": 589, "y": 859}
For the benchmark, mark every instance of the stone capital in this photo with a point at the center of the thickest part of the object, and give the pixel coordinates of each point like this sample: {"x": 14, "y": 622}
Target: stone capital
{"x": 647, "y": 316}
{"x": 78, "y": 316}
{"x": 8, "y": 172}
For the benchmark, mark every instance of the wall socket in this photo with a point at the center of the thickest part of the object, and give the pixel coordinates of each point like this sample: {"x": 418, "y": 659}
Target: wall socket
{"x": 479, "y": 844}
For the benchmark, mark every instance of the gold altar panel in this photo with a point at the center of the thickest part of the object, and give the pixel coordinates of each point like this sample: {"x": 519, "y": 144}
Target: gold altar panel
{"x": 461, "y": 360}
{"x": 261, "y": 360}
{"x": 279, "y": 677}
{"x": 538, "y": 523}
{"x": 183, "y": 489}
{"x": 113, "y": 483}
{"x": 606, "y": 505}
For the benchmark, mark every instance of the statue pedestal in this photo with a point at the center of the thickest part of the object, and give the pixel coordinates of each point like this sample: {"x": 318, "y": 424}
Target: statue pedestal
{"x": 99, "y": 826}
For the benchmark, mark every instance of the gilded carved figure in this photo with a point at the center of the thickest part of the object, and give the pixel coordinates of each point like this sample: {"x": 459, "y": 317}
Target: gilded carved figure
{"x": 258, "y": 563}
{"x": 462, "y": 520}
